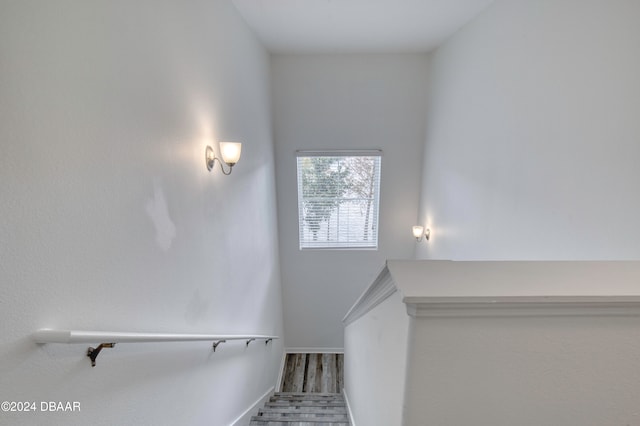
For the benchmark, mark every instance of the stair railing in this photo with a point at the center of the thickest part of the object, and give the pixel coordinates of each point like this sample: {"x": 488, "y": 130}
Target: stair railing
{"x": 110, "y": 338}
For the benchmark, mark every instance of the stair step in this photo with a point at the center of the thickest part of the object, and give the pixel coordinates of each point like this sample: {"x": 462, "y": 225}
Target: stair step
{"x": 322, "y": 416}
{"x": 331, "y": 415}
{"x": 307, "y": 397}
{"x": 273, "y": 420}
{"x": 303, "y": 404}
{"x": 305, "y": 410}
{"x": 295, "y": 423}
{"x": 314, "y": 394}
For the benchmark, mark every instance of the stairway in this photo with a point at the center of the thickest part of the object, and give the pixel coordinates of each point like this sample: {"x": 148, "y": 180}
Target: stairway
{"x": 303, "y": 409}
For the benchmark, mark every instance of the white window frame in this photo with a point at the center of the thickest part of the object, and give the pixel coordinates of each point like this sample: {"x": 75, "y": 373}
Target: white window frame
{"x": 340, "y": 242}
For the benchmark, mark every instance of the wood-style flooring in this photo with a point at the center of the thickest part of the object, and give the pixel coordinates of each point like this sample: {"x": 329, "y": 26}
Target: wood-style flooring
{"x": 313, "y": 373}
{"x": 303, "y": 409}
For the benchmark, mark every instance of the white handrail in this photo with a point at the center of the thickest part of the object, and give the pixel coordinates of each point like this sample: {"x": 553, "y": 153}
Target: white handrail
{"x": 47, "y": 335}
{"x": 109, "y": 338}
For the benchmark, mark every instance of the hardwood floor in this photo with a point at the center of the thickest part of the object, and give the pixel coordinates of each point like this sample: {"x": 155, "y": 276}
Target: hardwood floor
{"x": 313, "y": 373}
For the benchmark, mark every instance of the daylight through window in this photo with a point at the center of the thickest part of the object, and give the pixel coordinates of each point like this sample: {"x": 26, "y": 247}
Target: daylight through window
{"x": 338, "y": 199}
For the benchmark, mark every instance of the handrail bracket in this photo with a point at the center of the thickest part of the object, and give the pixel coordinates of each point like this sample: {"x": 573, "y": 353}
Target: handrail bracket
{"x": 94, "y": 352}
{"x": 216, "y": 343}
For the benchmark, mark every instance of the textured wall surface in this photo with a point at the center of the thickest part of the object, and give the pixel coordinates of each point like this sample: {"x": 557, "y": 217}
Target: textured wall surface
{"x": 326, "y": 102}
{"x": 497, "y": 343}
{"x": 110, "y": 220}
{"x": 376, "y": 352}
{"x": 573, "y": 371}
{"x": 532, "y": 137}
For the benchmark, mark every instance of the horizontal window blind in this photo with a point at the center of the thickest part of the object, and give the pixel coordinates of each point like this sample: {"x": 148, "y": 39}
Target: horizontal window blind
{"x": 338, "y": 197}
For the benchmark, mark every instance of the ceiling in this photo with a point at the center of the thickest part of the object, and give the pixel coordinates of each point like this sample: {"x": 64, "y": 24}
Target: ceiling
{"x": 356, "y": 26}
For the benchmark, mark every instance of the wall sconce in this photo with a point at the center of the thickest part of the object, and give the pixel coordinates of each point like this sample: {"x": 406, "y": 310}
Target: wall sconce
{"x": 419, "y": 232}
{"x": 230, "y": 153}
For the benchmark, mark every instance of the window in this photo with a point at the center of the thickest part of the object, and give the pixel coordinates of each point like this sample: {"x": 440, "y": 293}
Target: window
{"x": 338, "y": 196}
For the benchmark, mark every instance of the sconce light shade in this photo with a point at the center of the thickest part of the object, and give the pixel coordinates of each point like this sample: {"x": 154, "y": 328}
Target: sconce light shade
{"x": 230, "y": 153}
{"x": 419, "y": 232}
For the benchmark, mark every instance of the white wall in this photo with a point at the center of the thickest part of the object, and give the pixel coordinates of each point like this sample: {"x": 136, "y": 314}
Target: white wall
{"x": 533, "y": 134}
{"x": 345, "y": 102}
{"x": 110, "y": 220}
{"x": 573, "y": 371}
{"x": 496, "y": 343}
{"x": 375, "y": 364}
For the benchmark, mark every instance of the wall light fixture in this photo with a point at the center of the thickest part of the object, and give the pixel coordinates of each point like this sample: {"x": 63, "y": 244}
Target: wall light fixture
{"x": 419, "y": 232}
{"x": 230, "y": 153}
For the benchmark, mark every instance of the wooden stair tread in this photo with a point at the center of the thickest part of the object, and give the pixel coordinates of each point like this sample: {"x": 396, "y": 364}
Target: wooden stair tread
{"x": 304, "y": 404}
{"x": 325, "y": 415}
{"x": 307, "y": 395}
{"x": 342, "y": 420}
{"x": 301, "y": 405}
{"x": 295, "y": 423}
{"x": 322, "y": 417}
{"x": 305, "y": 410}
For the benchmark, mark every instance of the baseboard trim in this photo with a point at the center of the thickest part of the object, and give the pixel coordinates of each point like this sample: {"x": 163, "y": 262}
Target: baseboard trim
{"x": 349, "y": 412}
{"x": 245, "y": 417}
{"x": 314, "y": 350}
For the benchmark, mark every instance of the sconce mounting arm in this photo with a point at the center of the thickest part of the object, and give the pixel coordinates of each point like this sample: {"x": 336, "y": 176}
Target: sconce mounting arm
{"x": 210, "y": 158}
